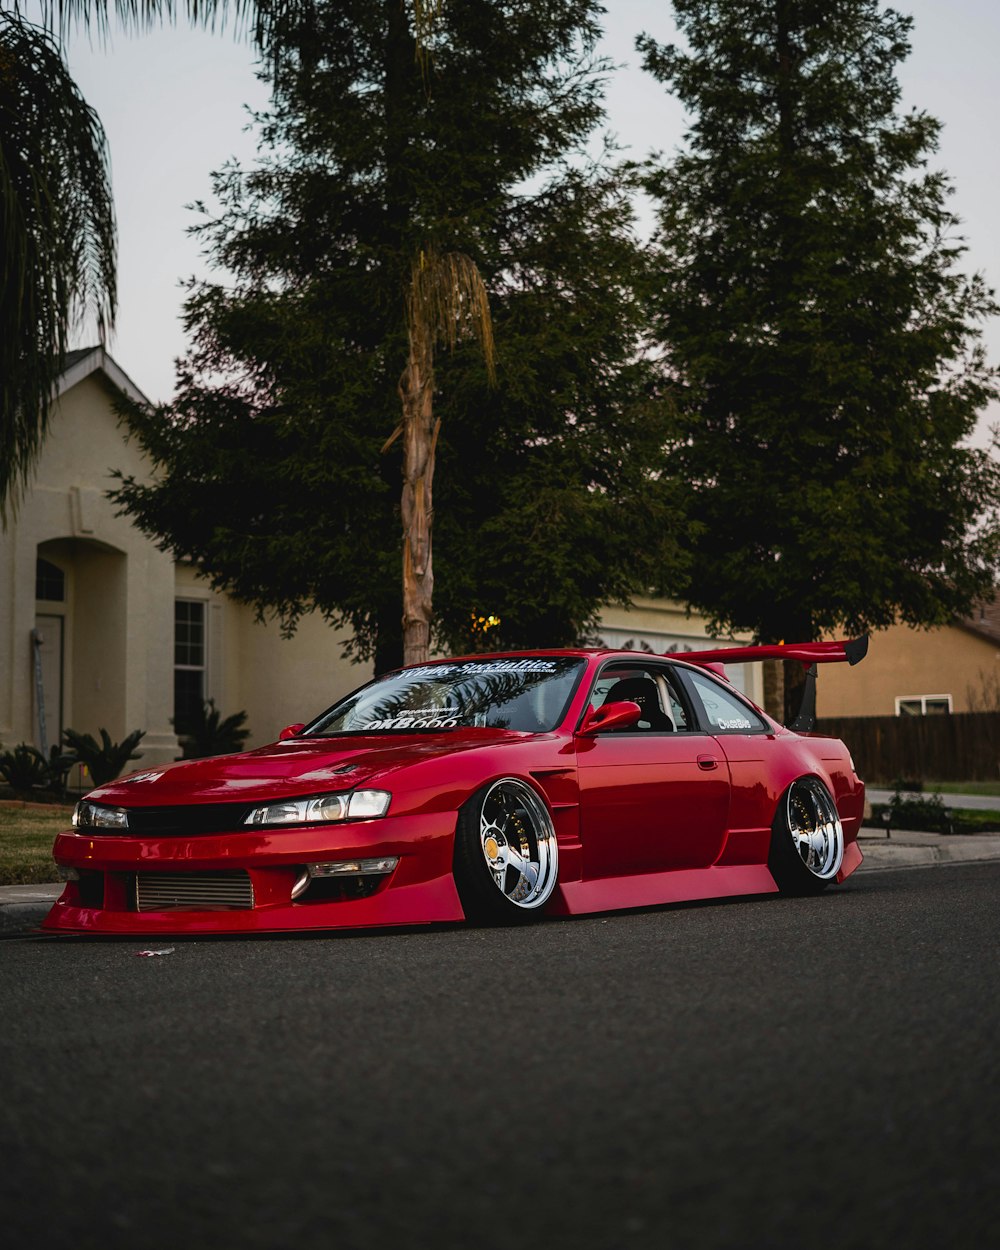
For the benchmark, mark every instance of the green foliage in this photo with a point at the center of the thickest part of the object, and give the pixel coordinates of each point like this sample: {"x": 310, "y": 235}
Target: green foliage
{"x": 59, "y": 765}
{"x": 927, "y": 813}
{"x": 919, "y": 811}
{"x": 826, "y": 346}
{"x": 104, "y": 760}
{"x": 24, "y": 769}
{"x": 57, "y": 225}
{"x": 57, "y": 235}
{"x": 270, "y": 470}
{"x": 206, "y": 733}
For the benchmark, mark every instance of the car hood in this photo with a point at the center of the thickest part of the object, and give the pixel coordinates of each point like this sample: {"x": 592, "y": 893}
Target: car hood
{"x": 297, "y": 766}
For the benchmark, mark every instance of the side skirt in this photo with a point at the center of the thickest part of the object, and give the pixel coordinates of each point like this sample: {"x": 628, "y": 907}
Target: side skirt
{"x": 684, "y": 885}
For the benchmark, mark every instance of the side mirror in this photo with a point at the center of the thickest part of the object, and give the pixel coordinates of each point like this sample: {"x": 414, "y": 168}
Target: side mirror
{"x": 610, "y": 716}
{"x": 290, "y": 731}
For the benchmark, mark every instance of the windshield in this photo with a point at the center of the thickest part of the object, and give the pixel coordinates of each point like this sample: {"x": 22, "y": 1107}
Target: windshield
{"x": 530, "y": 695}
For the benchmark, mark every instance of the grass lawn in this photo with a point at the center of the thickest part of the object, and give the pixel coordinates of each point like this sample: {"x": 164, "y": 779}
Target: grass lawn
{"x": 27, "y": 831}
{"x": 962, "y": 787}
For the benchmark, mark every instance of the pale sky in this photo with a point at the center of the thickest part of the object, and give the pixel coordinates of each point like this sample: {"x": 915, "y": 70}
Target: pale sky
{"x": 173, "y": 103}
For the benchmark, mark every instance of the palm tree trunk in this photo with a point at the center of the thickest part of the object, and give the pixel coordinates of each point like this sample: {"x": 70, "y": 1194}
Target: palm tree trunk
{"x": 420, "y": 433}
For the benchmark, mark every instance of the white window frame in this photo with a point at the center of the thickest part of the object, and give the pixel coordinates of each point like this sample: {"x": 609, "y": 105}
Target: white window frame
{"x": 922, "y": 699}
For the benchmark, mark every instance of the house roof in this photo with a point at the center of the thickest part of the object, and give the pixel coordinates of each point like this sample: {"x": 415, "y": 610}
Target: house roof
{"x": 83, "y": 361}
{"x": 985, "y": 620}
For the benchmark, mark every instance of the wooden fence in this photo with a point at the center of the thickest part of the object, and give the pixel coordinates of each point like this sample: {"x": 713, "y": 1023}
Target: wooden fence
{"x": 963, "y": 746}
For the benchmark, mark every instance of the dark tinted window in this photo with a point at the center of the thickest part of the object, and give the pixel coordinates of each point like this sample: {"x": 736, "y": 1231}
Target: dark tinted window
{"x": 653, "y": 686}
{"x": 50, "y": 581}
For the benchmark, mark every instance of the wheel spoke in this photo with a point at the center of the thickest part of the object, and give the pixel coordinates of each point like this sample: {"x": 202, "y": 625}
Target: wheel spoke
{"x": 515, "y": 859}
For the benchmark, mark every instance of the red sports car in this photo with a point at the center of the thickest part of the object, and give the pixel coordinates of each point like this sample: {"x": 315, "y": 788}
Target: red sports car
{"x": 490, "y": 788}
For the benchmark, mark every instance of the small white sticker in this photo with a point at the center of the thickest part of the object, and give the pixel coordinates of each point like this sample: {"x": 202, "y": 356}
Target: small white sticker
{"x": 146, "y": 776}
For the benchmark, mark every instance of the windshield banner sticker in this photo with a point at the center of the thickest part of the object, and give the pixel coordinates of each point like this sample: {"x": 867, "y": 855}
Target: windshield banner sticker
{"x": 477, "y": 667}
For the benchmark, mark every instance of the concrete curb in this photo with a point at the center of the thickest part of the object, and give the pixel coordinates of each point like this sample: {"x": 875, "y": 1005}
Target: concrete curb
{"x": 920, "y": 850}
{"x": 24, "y": 907}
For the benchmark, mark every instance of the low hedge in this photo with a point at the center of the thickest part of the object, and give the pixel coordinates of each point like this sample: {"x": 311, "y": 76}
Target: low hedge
{"x": 929, "y": 815}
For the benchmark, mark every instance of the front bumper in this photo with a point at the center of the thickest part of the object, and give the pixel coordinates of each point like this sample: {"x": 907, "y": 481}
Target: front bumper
{"x": 113, "y": 870}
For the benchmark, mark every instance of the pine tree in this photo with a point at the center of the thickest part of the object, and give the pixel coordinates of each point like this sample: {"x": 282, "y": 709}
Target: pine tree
{"x": 826, "y": 347}
{"x": 272, "y": 476}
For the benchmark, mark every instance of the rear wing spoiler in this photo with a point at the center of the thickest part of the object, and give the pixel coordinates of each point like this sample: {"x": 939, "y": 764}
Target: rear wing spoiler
{"x": 853, "y": 651}
{"x": 809, "y": 654}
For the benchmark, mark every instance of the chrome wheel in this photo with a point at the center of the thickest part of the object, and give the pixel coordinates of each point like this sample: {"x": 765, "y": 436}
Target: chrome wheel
{"x": 518, "y": 843}
{"x": 815, "y": 829}
{"x": 506, "y": 857}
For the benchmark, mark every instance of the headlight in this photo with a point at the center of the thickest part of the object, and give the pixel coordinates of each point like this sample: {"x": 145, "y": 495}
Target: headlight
{"x": 93, "y": 816}
{"x": 323, "y": 809}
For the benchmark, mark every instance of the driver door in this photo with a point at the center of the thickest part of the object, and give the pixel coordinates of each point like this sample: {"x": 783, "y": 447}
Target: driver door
{"x": 654, "y": 796}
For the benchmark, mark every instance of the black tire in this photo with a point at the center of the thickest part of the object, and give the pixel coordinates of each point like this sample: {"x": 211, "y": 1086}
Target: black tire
{"x": 807, "y": 839}
{"x": 506, "y": 856}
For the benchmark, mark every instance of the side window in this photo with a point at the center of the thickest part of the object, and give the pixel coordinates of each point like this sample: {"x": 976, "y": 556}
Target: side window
{"x": 724, "y": 711}
{"x": 654, "y": 688}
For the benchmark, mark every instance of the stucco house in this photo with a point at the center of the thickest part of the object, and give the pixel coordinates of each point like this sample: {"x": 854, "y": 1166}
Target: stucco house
{"x": 921, "y": 672}
{"x": 98, "y": 628}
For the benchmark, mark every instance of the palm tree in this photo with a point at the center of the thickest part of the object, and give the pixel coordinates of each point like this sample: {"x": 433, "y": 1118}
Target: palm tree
{"x": 57, "y": 224}
{"x": 58, "y": 234}
{"x": 446, "y": 301}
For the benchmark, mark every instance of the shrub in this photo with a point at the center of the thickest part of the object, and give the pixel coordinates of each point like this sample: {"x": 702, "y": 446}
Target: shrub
{"x": 206, "y": 733}
{"x": 920, "y": 812}
{"x": 24, "y": 769}
{"x": 104, "y": 761}
{"x": 59, "y": 764}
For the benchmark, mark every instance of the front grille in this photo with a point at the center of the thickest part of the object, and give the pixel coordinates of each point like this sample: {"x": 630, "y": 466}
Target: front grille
{"x": 186, "y": 821}
{"x": 229, "y": 890}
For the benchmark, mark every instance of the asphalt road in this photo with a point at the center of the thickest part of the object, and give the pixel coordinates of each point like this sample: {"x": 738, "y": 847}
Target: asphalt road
{"x": 759, "y": 1073}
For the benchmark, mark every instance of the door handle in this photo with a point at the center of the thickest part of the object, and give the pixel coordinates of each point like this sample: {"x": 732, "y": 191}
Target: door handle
{"x": 707, "y": 762}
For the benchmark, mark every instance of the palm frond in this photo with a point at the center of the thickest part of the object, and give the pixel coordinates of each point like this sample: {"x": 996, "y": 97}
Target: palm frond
{"x": 57, "y": 235}
{"x": 448, "y": 301}
{"x": 258, "y": 18}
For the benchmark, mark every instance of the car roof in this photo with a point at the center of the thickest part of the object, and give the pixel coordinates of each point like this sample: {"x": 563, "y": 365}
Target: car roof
{"x": 569, "y": 652}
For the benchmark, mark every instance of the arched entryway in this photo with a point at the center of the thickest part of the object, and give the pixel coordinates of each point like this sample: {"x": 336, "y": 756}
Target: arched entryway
{"x": 79, "y": 638}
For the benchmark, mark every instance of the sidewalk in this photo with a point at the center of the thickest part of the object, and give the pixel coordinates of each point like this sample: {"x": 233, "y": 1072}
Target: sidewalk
{"x": 24, "y": 907}
{"x": 920, "y": 850}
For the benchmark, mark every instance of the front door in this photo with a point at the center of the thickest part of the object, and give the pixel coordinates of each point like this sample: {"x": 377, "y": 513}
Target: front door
{"x": 48, "y": 679}
{"x": 655, "y": 796}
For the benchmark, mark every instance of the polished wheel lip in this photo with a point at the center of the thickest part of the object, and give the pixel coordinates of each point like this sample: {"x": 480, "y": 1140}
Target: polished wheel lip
{"x": 518, "y": 843}
{"x": 815, "y": 828}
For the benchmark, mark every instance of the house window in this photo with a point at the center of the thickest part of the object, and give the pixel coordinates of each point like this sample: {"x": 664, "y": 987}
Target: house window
{"x": 50, "y": 582}
{"x": 923, "y": 704}
{"x": 189, "y": 661}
